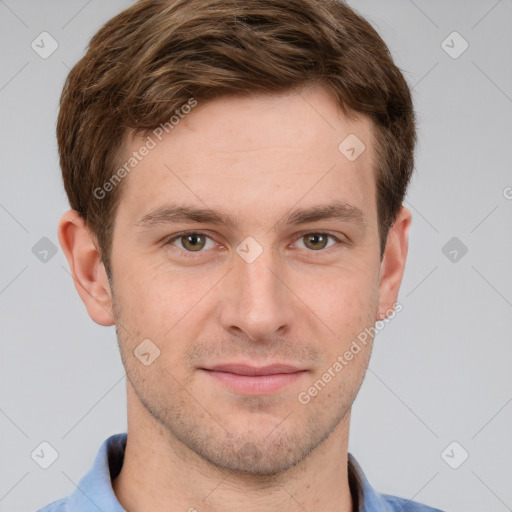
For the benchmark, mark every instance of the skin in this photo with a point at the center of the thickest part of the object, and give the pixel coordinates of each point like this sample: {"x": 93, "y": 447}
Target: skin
{"x": 193, "y": 443}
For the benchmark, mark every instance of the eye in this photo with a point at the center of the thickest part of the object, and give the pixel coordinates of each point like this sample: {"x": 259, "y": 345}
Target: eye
{"x": 318, "y": 241}
{"x": 191, "y": 241}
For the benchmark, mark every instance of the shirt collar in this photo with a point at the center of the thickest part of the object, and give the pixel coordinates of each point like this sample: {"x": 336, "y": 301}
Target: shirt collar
{"x": 94, "y": 491}
{"x": 364, "y": 496}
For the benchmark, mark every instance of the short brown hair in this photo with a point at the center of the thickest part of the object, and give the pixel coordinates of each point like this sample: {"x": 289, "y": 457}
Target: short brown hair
{"x": 150, "y": 59}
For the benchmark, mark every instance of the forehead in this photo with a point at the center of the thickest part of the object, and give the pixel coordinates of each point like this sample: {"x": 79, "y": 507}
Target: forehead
{"x": 255, "y": 154}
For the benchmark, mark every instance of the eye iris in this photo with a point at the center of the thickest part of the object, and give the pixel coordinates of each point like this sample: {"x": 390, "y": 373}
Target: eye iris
{"x": 193, "y": 239}
{"x": 315, "y": 237}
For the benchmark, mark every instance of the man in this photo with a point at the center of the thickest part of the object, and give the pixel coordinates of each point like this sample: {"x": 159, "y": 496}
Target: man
{"x": 236, "y": 172}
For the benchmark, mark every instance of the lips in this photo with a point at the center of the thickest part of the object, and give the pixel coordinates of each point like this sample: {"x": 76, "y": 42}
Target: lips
{"x": 241, "y": 369}
{"x": 252, "y": 380}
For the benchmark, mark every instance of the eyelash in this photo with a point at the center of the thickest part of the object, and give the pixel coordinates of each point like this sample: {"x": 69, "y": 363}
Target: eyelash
{"x": 196, "y": 254}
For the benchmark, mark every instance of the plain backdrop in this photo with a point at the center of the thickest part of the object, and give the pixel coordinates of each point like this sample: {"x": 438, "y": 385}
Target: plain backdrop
{"x": 439, "y": 385}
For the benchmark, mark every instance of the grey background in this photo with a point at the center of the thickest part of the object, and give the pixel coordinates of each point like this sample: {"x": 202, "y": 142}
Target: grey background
{"x": 440, "y": 371}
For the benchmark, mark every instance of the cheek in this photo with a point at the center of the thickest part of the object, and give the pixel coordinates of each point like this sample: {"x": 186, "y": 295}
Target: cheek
{"x": 166, "y": 307}
{"x": 347, "y": 310}
{"x": 151, "y": 297}
{"x": 346, "y": 298}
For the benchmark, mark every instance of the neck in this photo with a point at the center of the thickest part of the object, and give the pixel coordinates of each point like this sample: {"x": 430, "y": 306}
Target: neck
{"x": 159, "y": 473}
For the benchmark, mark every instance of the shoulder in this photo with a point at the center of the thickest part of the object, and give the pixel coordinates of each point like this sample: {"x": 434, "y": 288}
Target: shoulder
{"x": 403, "y": 505}
{"x": 60, "y": 505}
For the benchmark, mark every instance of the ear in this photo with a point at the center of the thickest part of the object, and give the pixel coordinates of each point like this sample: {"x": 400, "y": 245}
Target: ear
{"x": 393, "y": 263}
{"x": 84, "y": 259}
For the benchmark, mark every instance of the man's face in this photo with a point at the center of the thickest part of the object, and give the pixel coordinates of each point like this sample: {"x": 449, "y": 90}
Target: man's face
{"x": 210, "y": 298}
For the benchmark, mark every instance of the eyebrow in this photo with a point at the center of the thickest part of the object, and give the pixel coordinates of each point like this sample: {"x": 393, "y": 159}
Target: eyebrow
{"x": 173, "y": 213}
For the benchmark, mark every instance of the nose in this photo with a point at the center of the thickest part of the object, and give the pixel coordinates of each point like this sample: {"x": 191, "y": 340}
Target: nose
{"x": 257, "y": 300}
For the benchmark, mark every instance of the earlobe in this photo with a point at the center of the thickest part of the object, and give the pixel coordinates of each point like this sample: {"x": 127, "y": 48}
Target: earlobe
{"x": 84, "y": 259}
{"x": 393, "y": 263}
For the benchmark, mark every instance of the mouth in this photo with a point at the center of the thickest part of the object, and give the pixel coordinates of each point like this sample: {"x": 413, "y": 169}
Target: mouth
{"x": 252, "y": 380}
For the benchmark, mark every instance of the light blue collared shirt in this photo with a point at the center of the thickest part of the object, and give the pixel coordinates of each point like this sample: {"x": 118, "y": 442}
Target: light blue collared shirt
{"x": 95, "y": 491}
